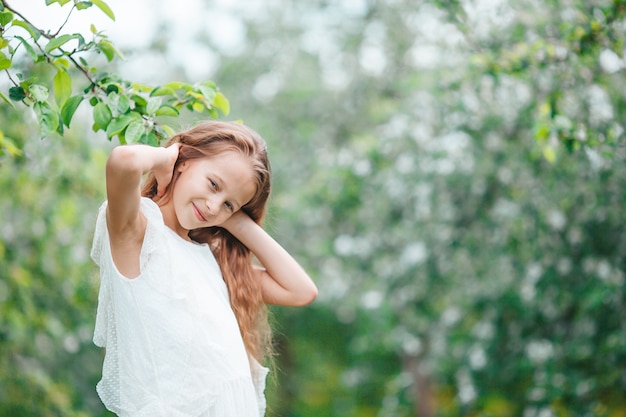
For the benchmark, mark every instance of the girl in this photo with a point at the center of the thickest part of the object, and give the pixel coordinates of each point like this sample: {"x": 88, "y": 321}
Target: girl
{"x": 181, "y": 308}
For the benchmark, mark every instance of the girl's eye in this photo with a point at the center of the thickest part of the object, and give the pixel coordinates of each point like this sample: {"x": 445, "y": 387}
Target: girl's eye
{"x": 213, "y": 184}
{"x": 229, "y": 206}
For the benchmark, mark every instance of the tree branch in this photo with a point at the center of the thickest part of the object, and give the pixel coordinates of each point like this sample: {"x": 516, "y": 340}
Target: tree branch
{"x": 67, "y": 18}
{"x": 44, "y": 34}
{"x": 11, "y": 78}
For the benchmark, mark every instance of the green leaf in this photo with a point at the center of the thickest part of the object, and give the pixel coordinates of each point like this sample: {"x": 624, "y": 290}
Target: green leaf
{"x": 7, "y": 145}
{"x": 167, "y": 131}
{"x": 221, "y": 102}
{"x": 62, "y": 63}
{"x": 31, "y": 51}
{"x": 17, "y": 93}
{"x": 542, "y": 132}
{"x": 198, "y": 107}
{"x": 177, "y": 85}
{"x": 113, "y": 88}
{"x": 38, "y": 92}
{"x": 167, "y": 110}
{"x": 47, "y": 117}
{"x": 9, "y": 102}
{"x": 5, "y": 18}
{"x": 32, "y": 30}
{"x": 134, "y": 131}
{"x": 113, "y": 100}
{"x": 139, "y": 100}
{"x": 140, "y": 103}
{"x": 69, "y": 108}
{"x": 62, "y": 84}
{"x": 60, "y": 127}
{"x": 101, "y": 116}
{"x": 162, "y": 91}
{"x": 105, "y": 8}
{"x": 149, "y": 139}
{"x": 108, "y": 50}
{"x": 118, "y": 124}
{"x": 210, "y": 84}
{"x": 153, "y": 105}
{"x": 82, "y": 5}
{"x": 142, "y": 88}
{"x": 123, "y": 104}
{"x": 213, "y": 113}
{"x": 5, "y": 62}
{"x": 208, "y": 92}
{"x": 58, "y": 42}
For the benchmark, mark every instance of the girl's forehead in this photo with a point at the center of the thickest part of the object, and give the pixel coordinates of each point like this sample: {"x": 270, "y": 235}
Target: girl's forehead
{"x": 226, "y": 160}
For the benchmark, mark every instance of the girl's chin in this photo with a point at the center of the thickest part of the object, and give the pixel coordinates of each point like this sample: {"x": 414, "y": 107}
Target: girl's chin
{"x": 202, "y": 225}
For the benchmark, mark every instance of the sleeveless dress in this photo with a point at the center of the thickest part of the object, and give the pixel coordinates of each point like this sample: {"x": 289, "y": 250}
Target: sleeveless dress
{"x": 173, "y": 346}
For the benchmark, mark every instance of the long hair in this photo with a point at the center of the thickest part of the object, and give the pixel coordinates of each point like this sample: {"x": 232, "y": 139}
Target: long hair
{"x": 206, "y": 140}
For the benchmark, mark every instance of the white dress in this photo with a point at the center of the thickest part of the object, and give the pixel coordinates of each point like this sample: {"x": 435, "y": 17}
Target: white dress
{"x": 173, "y": 346}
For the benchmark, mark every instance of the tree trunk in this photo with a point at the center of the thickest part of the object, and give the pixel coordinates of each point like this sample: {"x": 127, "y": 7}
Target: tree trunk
{"x": 421, "y": 387}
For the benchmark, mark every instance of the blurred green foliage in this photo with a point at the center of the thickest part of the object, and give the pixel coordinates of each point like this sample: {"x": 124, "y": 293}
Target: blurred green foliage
{"x": 452, "y": 174}
{"x": 48, "y": 286}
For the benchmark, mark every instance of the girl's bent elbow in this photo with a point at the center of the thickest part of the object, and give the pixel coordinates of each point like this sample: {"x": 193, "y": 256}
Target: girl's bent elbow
{"x": 308, "y": 297}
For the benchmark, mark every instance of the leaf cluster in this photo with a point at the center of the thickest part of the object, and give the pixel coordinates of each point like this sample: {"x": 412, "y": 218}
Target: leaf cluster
{"x": 121, "y": 108}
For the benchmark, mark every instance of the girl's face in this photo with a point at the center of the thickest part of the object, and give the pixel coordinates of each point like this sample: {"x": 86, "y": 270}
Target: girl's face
{"x": 209, "y": 190}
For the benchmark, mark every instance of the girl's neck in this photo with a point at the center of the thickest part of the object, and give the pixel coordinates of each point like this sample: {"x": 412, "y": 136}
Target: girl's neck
{"x": 170, "y": 219}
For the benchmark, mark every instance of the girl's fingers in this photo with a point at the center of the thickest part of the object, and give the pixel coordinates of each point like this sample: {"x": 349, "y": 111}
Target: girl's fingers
{"x": 175, "y": 148}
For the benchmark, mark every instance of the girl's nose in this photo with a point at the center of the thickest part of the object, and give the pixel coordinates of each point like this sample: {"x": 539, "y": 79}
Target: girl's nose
{"x": 210, "y": 206}
{"x": 213, "y": 205}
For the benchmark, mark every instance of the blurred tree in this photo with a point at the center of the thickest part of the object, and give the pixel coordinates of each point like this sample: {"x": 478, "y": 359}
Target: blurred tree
{"x": 420, "y": 151}
{"x": 569, "y": 57}
{"x": 48, "y": 286}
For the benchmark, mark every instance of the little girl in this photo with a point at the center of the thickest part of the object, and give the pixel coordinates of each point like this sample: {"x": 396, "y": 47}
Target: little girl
{"x": 181, "y": 309}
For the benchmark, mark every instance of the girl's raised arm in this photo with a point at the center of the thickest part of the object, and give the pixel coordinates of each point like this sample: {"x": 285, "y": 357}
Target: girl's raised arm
{"x": 283, "y": 281}
{"x": 124, "y": 170}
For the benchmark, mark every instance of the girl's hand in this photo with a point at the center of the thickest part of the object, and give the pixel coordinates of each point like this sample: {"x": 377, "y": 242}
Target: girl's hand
{"x": 282, "y": 279}
{"x": 165, "y": 170}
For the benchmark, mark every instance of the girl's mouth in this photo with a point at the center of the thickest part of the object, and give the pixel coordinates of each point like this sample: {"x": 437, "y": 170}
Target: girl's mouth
{"x": 198, "y": 213}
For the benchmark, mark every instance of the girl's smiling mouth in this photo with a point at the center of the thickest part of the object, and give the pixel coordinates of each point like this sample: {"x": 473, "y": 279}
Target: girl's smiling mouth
{"x": 198, "y": 213}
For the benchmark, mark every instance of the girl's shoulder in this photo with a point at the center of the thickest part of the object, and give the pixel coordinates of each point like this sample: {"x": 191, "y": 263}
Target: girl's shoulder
{"x": 152, "y": 236}
{"x": 148, "y": 207}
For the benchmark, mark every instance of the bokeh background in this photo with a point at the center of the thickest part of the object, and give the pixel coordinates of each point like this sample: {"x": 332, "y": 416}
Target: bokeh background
{"x": 451, "y": 173}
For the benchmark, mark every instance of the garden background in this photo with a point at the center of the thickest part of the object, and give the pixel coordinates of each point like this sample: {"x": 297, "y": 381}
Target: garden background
{"x": 451, "y": 173}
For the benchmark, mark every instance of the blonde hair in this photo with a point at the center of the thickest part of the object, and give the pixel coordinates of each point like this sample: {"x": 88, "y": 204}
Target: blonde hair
{"x": 208, "y": 139}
